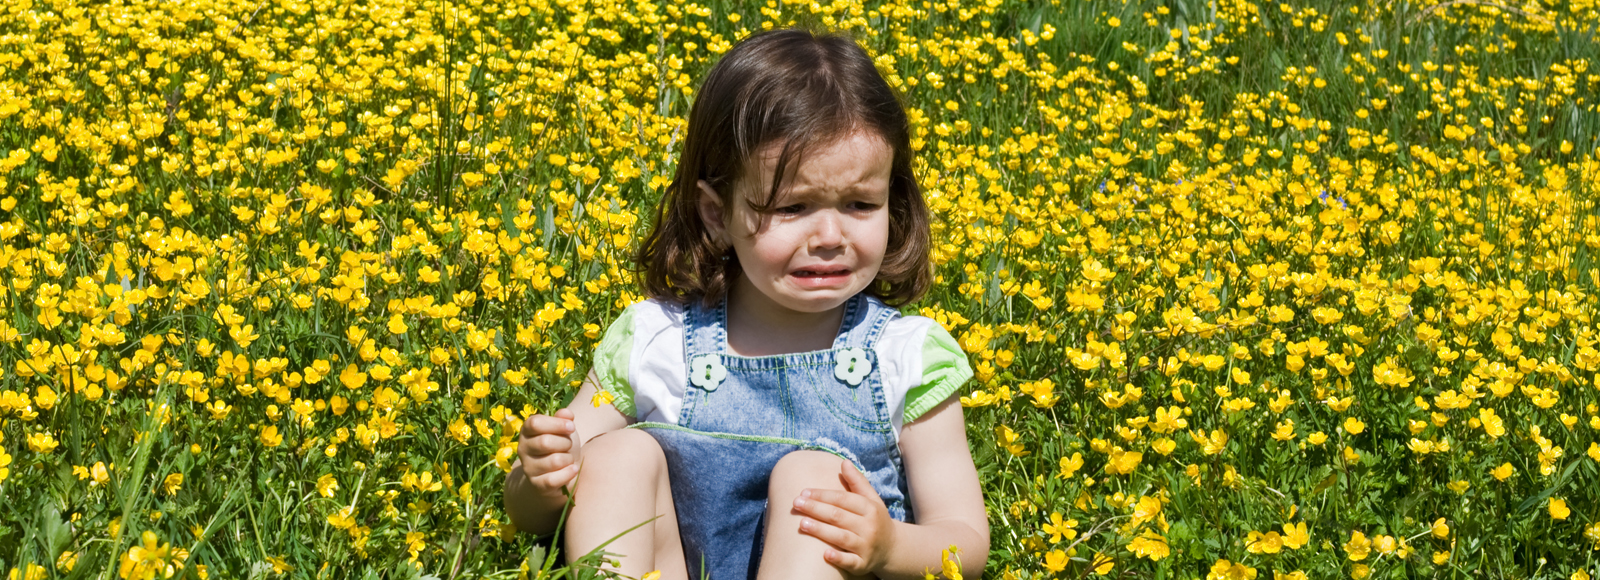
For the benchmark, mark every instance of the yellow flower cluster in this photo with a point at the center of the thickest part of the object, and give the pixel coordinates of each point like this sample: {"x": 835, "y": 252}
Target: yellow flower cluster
{"x": 1242, "y": 282}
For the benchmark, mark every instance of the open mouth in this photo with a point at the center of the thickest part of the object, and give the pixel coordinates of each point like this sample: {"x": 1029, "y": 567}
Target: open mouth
{"x": 821, "y": 273}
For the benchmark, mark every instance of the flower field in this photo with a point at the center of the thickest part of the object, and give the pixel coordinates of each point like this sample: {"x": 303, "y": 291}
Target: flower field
{"x": 1300, "y": 289}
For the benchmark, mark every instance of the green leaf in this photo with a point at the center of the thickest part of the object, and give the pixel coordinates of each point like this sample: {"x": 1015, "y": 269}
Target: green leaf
{"x": 1561, "y": 482}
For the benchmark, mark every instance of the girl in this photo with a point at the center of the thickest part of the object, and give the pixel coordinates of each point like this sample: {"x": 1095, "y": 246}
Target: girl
{"x": 768, "y": 407}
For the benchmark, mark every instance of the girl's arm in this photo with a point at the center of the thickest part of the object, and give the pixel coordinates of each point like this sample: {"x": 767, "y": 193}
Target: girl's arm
{"x": 945, "y": 497}
{"x": 548, "y": 457}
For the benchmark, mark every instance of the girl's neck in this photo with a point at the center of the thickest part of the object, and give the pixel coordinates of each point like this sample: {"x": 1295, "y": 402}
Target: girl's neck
{"x": 757, "y": 326}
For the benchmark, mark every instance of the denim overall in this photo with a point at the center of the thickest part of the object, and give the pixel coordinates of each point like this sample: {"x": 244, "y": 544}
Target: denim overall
{"x": 742, "y": 414}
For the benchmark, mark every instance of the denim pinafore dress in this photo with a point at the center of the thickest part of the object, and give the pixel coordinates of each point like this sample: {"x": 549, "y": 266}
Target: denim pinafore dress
{"x": 741, "y": 415}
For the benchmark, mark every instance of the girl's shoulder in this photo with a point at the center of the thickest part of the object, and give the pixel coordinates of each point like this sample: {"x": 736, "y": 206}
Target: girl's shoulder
{"x": 647, "y": 315}
{"x": 922, "y": 365}
{"x": 642, "y": 324}
{"x": 639, "y": 356}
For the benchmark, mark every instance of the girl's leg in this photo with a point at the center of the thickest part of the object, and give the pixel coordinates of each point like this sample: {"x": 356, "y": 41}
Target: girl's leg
{"x": 622, "y": 483}
{"x": 787, "y": 553}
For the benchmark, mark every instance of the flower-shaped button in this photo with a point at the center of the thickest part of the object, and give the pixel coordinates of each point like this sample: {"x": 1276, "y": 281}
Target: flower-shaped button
{"x": 706, "y": 371}
{"x": 851, "y": 365}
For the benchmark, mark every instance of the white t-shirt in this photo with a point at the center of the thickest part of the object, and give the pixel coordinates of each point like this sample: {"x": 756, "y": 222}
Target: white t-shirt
{"x": 640, "y": 361}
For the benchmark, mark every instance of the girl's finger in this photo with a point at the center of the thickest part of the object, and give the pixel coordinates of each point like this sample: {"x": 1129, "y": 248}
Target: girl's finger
{"x": 850, "y": 563}
{"x": 547, "y": 444}
{"x": 854, "y": 480}
{"x": 851, "y": 502}
{"x": 556, "y": 479}
{"x": 544, "y": 424}
{"x": 835, "y": 536}
{"x": 542, "y": 464}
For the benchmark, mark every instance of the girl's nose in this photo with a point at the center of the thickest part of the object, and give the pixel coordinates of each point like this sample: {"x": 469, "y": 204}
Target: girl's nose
{"x": 827, "y": 232}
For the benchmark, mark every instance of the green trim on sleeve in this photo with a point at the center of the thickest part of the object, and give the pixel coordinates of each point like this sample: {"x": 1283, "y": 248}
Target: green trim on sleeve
{"x": 944, "y": 371}
{"x": 611, "y": 362}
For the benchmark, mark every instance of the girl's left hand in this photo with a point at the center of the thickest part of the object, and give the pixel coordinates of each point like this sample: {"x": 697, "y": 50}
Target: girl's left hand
{"x": 853, "y": 521}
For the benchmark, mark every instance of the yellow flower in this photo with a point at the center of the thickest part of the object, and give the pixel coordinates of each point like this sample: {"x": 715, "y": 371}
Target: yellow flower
{"x": 950, "y": 562}
{"x": 1070, "y": 465}
{"x": 1009, "y": 440}
{"x": 270, "y": 436}
{"x": 1147, "y": 509}
{"x": 1058, "y": 528}
{"x": 41, "y": 442}
{"x": 1055, "y": 561}
{"x": 151, "y": 558}
{"x": 1258, "y": 543}
{"x": 67, "y": 561}
{"x": 1150, "y": 545}
{"x": 1120, "y": 462}
{"x": 1169, "y": 419}
{"x": 1358, "y": 547}
{"x": 1351, "y": 455}
{"x": 1503, "y": 472}
{"x": 279, "y": 565}
{"x": 1558, "y": 509}
{"x": 1102, "y": 564}
{"x": 1212, "y": 444}
{"x": 1354, "y": 426}
{"x": 342, "y": 519}
{"x": 327, "y": 484}
{"x": 1164, "y": 446}
{"x": 352, "y": 378}
{"x": 1295, "y": 535}
{"x": 1225, "y": 570}
{"x": 172, "y": 483}
{"x": 99, "y": 474}
{"x": 1284, "y": 430}
{"x": 1440, "y": 529}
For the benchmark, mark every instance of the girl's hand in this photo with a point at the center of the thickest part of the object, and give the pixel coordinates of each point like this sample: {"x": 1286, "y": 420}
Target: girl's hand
{"x": 853, "y": 521}
{"x": 549, "y": 451}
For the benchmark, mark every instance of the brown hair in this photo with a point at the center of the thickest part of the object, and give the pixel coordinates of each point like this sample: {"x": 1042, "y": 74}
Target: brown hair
{"x": 802, "y": 90}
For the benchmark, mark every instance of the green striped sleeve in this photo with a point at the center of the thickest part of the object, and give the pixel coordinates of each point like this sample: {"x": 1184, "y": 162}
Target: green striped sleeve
{"x": 944, "y": 371}
{"x": 611, "y": 362}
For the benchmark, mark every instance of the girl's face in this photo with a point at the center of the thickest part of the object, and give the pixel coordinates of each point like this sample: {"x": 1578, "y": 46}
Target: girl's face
{"x": 824, "y": 238}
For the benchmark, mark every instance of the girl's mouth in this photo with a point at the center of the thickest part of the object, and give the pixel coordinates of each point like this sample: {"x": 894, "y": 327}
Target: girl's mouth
{"x": 822, "y": 273}
{"x": 820, "y": 278}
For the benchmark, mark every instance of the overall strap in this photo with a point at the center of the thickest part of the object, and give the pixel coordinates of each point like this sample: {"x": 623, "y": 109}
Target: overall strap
{"x": 705, "y": 330}
{"x": 865, "y": 319}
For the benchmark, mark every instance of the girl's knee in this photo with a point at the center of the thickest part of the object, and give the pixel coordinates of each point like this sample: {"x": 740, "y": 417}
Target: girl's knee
{"x": 805, "y": 469}
{"x": 631, "y": 450}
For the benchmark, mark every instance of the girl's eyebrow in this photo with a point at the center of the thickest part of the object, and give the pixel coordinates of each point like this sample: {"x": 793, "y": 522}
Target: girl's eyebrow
{"x": 806, "y": 192}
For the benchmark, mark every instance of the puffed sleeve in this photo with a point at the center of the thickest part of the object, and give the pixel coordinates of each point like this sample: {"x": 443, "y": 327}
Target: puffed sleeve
{"x": 944, "y": 371}
{"x": 611, "y": 362}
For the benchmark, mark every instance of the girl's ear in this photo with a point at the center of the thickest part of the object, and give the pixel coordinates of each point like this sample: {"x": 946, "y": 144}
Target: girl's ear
{"x": 711, "y": 213}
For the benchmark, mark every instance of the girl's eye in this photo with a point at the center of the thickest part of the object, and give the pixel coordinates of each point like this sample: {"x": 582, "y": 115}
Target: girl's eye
{"x": 864, "y": 206}
{"x": 790, "y": 209}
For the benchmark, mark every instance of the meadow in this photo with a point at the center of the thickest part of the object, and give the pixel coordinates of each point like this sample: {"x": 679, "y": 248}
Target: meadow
{"x": 1288, "y": 290}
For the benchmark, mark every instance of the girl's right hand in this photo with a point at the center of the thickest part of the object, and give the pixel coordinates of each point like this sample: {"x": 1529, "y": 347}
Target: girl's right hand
{"x": 549, "y": 451}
